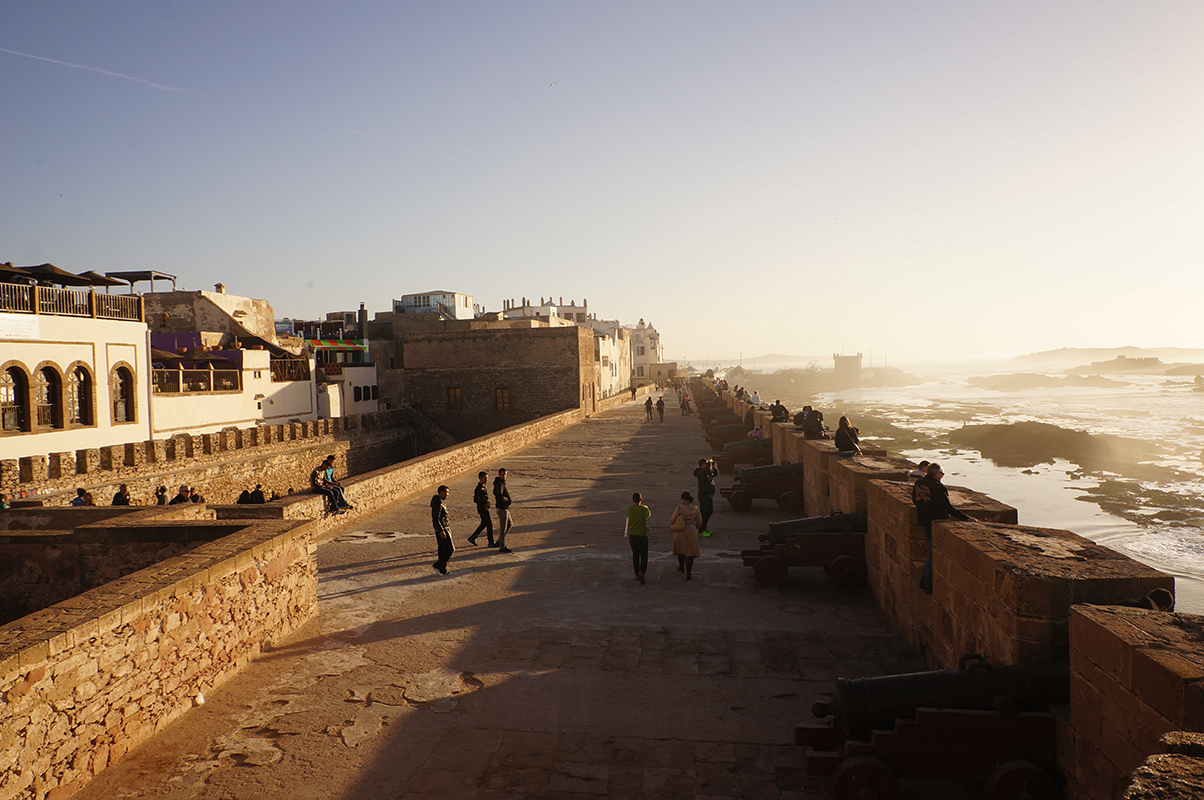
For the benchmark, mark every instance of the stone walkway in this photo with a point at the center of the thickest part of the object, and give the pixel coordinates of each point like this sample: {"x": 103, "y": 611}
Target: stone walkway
{"x": 547, "y": 672}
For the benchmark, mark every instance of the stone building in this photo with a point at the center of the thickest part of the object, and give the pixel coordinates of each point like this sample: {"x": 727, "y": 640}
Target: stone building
{"x": 646, "y": 352}
{"x": 482, "y": 379}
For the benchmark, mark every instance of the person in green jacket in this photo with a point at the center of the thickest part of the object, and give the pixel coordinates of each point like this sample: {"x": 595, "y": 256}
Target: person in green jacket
{"x": 637, "y": 534}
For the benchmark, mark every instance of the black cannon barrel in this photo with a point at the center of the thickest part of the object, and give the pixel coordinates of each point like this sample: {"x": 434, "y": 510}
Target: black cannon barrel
{"x": 787, "y": 470}
{"x": 862, "y": 705}
{"x": 835, "y": 522}
{"x": 751, "y": 444}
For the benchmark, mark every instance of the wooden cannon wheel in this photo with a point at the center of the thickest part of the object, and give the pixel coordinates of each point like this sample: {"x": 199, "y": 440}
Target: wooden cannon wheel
{"x": 1021, "y": 780}
{"x": 763, "y": 462}
{"x": 864, "y": 778}
{"x": 772, "y": 572}
{"x": 847, "y": 572}
{"x": 726, "y": 465}
{"x": 740, "y": 500}
{"x": 790, "y": 501}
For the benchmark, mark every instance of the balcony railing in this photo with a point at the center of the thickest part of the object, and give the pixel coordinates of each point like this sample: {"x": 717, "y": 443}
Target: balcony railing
{"x": 188, "y": 381}
{"x": 289, "y": 369}
{"x": 50, "y": 300}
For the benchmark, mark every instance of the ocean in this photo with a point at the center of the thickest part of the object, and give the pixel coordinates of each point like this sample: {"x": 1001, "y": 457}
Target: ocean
{"x": 1151, "y": 509}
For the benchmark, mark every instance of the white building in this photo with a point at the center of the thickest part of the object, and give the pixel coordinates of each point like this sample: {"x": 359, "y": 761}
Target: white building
{"x": 646, "y": 353}
{"x": 74, "y": 372}
{"x": 445, "y": 305}
{"x": 612, "y": 351}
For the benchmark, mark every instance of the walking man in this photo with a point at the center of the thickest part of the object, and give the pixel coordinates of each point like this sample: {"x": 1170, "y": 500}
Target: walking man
{"x": 501, "y": 499}
{"x": 660, "y": 407}
{"x": 442, "y": 530}
{"x": 705, "y": 474}
{"x": 931, "y": 500}
{"x": 480, "y": 496}
{"x": 648, "y": 408}
{"x": 637, "y": 535}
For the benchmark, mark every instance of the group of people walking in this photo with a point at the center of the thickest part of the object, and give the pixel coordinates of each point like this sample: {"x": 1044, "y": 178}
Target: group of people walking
{"x": 480, "y": 496}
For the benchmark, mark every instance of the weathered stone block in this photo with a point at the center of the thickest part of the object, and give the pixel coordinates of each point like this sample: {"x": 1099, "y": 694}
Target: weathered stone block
{"x": 32, "y": 469}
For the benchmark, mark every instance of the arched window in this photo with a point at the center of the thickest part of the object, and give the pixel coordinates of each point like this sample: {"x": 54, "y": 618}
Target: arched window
{"x": 14, "y": 400}
{"x": 79, "y": 397}
{"x": 121, "y": 390}
{"x": 48, "y": 398}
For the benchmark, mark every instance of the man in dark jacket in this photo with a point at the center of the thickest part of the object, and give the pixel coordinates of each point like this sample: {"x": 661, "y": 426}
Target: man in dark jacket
{"x": 931, "y": 500}
{"x": 442, "y": 530}
{"x": 705, "y": 474}
{"x": 480, "y": 496}
{"x": 501, "y": 499}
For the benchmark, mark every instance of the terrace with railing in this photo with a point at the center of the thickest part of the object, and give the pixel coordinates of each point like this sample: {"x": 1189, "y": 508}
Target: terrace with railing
{"x": 20, "y": 298}
{"x": 188, "y": 381}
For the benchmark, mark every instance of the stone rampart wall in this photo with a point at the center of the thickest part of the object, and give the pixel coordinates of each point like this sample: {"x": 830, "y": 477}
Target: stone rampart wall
{"x": 84, "y": 681}
{"x": 222, "y": 464}
{"x": 1024, "y": 595}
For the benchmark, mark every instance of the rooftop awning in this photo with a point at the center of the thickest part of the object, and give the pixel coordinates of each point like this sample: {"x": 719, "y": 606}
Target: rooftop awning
{"x": 49, "y": 273}
{"x": 338, "y": 344}
{"x": 143, "y": 275}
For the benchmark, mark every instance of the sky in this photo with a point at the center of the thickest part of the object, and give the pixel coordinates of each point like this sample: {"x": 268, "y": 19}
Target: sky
{"x": 933, "y": 179}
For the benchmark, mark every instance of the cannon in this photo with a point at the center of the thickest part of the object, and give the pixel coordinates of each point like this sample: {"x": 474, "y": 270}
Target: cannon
{"x": 835, "y": 542}
{"x": 726, "y": 434}
{"x": 749, "y": 451}
{"x": 708, "y": 411}
{"x": 720, "y": 419}
{"x": 836, "y": 522}
{"x": 978, "y": 723}
{"x": 780, "y": 482}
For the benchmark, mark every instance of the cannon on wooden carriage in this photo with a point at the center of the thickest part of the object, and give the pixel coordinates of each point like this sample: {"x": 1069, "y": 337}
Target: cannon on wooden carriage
{"x": 726, "y": 434}
{"x": 708, "y": 411}
{"x": 758, "y": 452}
{"x": 979, "y": 723}
{"x": 780, "y": 482}
{"x": 835, "y": 542}
{"x": 715, "y": 421}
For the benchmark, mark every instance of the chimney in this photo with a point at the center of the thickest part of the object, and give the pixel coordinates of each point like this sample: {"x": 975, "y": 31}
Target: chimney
{"x": 220, "y": 288}
{"x": 363, "y": 321}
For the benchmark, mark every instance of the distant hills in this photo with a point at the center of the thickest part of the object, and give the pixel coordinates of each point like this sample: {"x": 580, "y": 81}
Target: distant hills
{"x": 1081, "y": 355}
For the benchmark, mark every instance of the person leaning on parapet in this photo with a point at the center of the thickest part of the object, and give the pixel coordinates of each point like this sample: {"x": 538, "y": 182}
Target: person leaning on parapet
{"x": 648, "y": 407}
{"x": 931, "y": 500}
{"x": 443, "y": 536}
{"x": 919, "y": 472}
{"x": 637, "y": 535}
{"x": 813, "y": 425}
{"x": 1157, "y": 600}
{"x": 161, "y": 496}
{"x": 847, "y": 439}
{"x": 660, "y": 407}
{"x": 800, "y": 419}
{"x": 706, "y": 474}
{"x": 480, "y": 496}
{"x": 122, "y": 498}
{"x": 501, "y": 500}
{"x": 182, "y": 496}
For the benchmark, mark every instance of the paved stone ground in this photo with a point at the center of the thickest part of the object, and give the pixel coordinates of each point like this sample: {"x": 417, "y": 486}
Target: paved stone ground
{"x": 548, "y": 672}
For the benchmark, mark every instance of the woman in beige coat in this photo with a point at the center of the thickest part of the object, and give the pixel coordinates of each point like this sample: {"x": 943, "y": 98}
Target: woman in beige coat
{"x": 685, "y": 541}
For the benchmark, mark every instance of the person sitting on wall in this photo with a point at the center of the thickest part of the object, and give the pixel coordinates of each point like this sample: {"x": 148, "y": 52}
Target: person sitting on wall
{"x": 336, "y": 488}
{"x": 847, "y": 439}
{"x": 161, "y": 496}
{"x": 257, "y": 494}
{"x": 182, "y": 496}
{"x": 1157, "y": 600}
{"x": 122, "y": 498}
{"x": 81, "y": 497}
{"x": 756, "y": 433}
{"x": 778, "y": 412}
{"x": 800, "y": 419}
{"x": 243, "y": 499}
{"x": 756, "y": 398}
{"x": 813, "y": 425}
{"x": 931, "y": 500}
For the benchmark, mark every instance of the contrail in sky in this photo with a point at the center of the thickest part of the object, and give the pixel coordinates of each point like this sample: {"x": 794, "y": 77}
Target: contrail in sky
{"x": 440, "y": 151}
{"x": 95, "y": 69}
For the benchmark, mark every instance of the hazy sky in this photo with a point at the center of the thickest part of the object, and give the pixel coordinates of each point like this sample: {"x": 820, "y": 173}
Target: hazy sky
{"x": 934, "y": 178}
